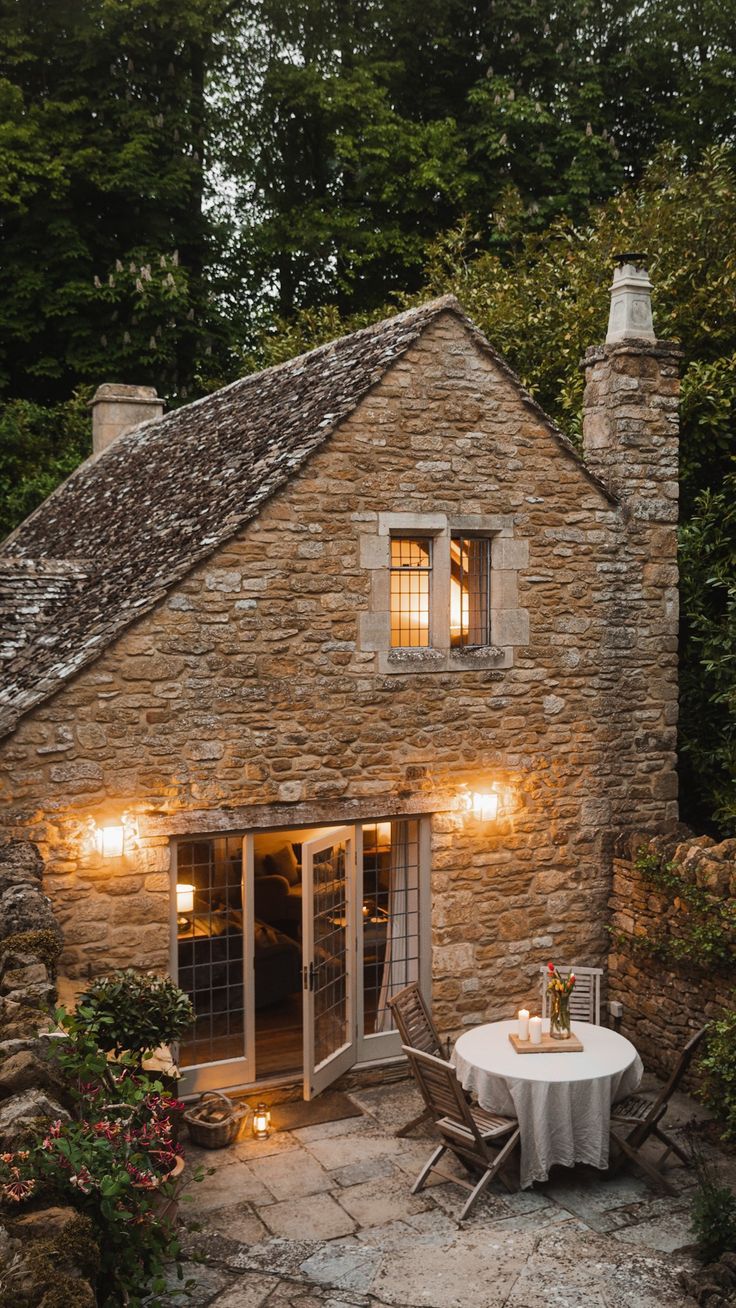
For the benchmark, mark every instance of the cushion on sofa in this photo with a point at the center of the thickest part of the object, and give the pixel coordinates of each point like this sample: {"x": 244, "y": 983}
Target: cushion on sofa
{"x": 283, "y": 862}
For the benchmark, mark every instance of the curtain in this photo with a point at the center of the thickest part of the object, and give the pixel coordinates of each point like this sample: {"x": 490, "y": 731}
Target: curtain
{"x": 401, "y": 963}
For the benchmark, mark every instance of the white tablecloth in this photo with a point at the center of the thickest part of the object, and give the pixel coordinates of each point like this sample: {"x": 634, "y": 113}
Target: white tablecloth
{"x": 562, "y": 1101}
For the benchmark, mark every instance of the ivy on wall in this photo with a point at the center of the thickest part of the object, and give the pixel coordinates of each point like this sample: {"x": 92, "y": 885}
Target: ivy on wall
{"x": 700, "y": 929}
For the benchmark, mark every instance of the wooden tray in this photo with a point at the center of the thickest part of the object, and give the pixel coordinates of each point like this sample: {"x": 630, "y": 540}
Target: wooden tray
{"x": 548, "y": 1045}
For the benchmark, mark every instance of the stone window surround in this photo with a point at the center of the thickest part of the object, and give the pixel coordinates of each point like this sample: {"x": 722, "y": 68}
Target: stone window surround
{"x": 509, "y": 622}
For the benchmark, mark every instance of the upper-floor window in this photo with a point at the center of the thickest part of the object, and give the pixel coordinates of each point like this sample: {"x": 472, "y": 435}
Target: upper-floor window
{"x": 411, "y": 566}
{"x": 470, "y": 591}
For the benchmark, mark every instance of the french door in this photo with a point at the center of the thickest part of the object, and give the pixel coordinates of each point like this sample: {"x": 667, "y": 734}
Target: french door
{"x": 329, "y": 947}
{"x": 359, "y": 931}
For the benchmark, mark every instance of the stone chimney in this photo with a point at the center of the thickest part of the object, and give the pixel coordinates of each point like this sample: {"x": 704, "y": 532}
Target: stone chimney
{"x": 631, "y": 441}
{"x": 117, "y": 409}
{"x": 630, "y": 422}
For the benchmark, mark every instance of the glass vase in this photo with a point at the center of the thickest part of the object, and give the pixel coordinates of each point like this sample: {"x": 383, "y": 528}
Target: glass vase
{"x": 559, "y": 1016}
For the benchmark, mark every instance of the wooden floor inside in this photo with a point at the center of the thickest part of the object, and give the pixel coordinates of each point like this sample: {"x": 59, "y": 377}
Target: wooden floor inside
{"x": 279, "y": 1038}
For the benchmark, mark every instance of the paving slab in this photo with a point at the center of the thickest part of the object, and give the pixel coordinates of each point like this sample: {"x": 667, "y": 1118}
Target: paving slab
{"x": 390, "y": 1105}
{"x": 278, "y": 1256}
{"x": 669, "y": 1231}
{"x": 477, "y": 1270}
{"x": 292, "y": 1175}
{"x": 340, "y": 1151}
{"x": 314, "y": 1217}
{"x": 386, "y": 1200}
{"x": 327, "y": 1130}
{"x": 249, "y": 1148}
{"x": 205, "y": 1282}
{"x": 229, "y": 1185}
{"x": 238, "y": 1221}
{"x": 571, "y": 1267}
{"x": 344, "y": 1264}
{"x": 368, "y": 1169}
{"x": 247, "y": 1292}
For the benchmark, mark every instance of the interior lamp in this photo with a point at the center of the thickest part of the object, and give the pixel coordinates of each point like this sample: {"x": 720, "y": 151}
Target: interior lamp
{"x": 485, "y": 805}
{"x": 110, "y": 841}
{"x": 184, "y": 904}
{"x": 261, "y": 1122}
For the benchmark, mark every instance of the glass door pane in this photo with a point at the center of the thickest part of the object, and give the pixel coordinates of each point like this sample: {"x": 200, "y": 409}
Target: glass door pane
{"x": 209, "y": 956}
{"x": 328, "y": 867}
{"x": 390, "y": 917}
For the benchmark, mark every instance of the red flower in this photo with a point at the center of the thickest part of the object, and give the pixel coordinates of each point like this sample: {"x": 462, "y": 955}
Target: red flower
{"x": 550, "y": 967}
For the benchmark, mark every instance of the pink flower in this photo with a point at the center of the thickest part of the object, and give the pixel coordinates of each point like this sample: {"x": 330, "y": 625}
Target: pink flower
{"x": 82, "y": 1180}
{"x": 18, "y": 1190}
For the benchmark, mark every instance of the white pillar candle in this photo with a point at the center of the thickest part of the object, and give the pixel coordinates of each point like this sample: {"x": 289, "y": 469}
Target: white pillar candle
{"x": 523, "y": 1028}
{"x": 535, "y": 1030}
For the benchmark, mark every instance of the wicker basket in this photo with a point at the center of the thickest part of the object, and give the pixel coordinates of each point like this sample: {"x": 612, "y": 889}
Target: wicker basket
{"x": 216, "y": 1121}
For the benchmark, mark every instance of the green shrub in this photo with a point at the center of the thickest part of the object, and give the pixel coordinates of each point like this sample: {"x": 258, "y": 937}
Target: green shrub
{"x": 714, "y": 1220}
{"x": 719, "y": 1064}
{"x": 134, "y": 1012}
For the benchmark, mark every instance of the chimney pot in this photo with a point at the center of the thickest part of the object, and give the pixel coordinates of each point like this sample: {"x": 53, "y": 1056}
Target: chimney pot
{"x": 117, "y": 409}
{"x": 631, "y": 301}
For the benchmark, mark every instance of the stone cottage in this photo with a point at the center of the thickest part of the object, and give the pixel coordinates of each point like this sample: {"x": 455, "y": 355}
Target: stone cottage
{"x": 346, "y": 675}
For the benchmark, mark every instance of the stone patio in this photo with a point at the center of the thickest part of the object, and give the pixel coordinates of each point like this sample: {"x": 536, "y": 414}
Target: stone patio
{"x": 324, "y": 1216}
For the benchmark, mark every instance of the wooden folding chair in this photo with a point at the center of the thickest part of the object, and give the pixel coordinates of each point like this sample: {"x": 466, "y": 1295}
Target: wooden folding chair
{"x": 638, "y": 1117}
{"x": 416, "y": 1028}
{"x": 585, "y": 996}
{"x": 467, "y": 1131}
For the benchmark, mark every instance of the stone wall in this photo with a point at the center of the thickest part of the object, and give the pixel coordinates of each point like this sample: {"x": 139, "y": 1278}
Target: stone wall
{"x": 47, "y": 1254}
{"x": 246, "y": 699}
{"x": 663, "y": 1006}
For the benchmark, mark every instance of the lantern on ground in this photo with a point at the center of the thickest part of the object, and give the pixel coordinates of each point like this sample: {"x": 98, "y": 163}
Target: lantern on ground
{"x": 261, "y": 1122}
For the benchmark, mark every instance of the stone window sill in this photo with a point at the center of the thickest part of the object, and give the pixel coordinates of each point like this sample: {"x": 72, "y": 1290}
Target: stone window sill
{"x": 414, "y": 654}
{"x": 479, "y": 658}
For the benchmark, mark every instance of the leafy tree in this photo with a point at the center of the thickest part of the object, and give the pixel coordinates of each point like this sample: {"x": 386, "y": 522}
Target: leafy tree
{"x": 102, "y": 145}
{"x": 376, "y": 124}
{"x": 39, "y": 446}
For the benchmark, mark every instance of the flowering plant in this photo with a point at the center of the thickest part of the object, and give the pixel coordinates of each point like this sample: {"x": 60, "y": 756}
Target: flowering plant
{"x": 559, "y": 989}
{"x": 111, "y": 1165}
{"x": 557, "y": 984}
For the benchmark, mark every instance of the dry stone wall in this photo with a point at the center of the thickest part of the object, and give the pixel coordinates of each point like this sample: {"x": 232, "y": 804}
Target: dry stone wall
{"x": 664, "y": 1005}
{"x": 246, "y": 697}
{"x": 39, "y": 1248}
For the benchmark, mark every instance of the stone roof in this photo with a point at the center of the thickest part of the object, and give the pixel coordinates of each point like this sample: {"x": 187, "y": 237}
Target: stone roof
{"x": 132, "y": 521}
{"x": 31, "y": 592}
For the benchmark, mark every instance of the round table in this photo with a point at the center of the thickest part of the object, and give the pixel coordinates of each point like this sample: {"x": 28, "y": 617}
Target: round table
{"x": 562, "y": 1101}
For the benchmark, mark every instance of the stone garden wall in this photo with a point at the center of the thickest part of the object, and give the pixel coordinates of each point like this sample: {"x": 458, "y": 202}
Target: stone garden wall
{"x": 46, "y": 1254}
{"x": 663, "y": 1005}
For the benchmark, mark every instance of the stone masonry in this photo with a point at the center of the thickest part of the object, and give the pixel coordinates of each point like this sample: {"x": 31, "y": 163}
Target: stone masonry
{"x": 245, "y": 698}
{"x": 664, "y": 1005}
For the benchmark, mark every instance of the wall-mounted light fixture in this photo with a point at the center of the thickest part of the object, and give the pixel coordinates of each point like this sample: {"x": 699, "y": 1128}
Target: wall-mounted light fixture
{"x": 485, "y": 805}
{"x": 110, "y": 841}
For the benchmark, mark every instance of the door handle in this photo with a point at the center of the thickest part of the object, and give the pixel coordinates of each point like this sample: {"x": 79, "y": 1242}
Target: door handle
{"x": 308, "y": 976}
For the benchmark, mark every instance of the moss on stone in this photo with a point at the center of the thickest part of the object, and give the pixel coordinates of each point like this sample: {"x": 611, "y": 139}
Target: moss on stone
{"x": 58, "y": 1271}
{"x": 45, "y": 945}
